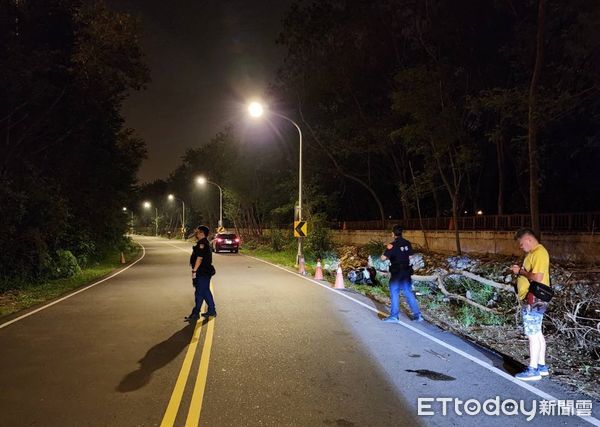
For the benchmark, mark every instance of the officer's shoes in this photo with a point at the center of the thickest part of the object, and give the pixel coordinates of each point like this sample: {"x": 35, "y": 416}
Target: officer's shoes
{"x": 209, "y": 314}
{"x": 529, "y": 374}
{"x": 191, "y": 317}
{"x": 543, "y": 370}
{"x": 391, "y": 319}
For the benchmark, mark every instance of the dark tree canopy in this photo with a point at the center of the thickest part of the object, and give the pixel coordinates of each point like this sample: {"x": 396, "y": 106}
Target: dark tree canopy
{"x": 68, "y": 166}
{"x": 406, "y": 106}
{"x": 405, "y": 103}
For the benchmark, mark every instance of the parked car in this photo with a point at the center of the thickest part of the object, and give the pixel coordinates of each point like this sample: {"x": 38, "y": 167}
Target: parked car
{"x": 226, "y": 242}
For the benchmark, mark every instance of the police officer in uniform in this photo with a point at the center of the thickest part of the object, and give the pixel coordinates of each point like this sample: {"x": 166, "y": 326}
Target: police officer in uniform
{"x": 399, "y": 252}
{"x": 202, "y": 271}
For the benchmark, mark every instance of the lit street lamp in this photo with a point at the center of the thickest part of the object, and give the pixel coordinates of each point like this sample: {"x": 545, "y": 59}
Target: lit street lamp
{"x": 172, "y": 197}
{"x": 148, "y": 205}
{"x": 202, "y": 180}
{"x": 256, "y": 110}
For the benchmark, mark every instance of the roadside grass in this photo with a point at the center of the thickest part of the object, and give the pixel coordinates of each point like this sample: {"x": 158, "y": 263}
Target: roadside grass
{"x": 28, "y": 296}
{"x": 285, "y": 257}
{"x": 377, "y": 292}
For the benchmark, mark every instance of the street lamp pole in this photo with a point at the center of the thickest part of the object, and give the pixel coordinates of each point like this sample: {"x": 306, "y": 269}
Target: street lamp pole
{"x": 171, "y": 197}
{"x": 201, "y": 180}
{"x": 148, "y": 205}
{"x": 220, "y": 206}
{"x": 156, "y": 221}
{"x": 300, "y": 162}
{"x": 300, "y": 253}
{"x": 256, "y": 110}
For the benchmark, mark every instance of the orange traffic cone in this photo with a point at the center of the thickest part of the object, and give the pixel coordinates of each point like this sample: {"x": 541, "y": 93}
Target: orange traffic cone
{"x": 339, "y": 279}
{"x": 319, "y": 271}
{"x": 302, "y": 268}
{"x": 122, "y": 258}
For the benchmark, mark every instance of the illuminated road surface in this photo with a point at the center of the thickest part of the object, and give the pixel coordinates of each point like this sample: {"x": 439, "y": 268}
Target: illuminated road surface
{"x": 283, "y": 351}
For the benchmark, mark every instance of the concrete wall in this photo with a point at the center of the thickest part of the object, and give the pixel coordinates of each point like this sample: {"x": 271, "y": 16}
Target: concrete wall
{"x": 572, "y": 247}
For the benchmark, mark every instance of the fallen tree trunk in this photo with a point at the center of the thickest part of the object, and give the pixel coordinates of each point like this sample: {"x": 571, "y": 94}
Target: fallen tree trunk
{"x": 484, "y": 281}
{"x": 440, "y": 284}
{"x": 439, "y": 280}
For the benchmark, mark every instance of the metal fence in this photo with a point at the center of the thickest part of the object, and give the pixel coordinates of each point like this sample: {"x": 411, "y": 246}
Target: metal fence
{"x": 581, "y": 221}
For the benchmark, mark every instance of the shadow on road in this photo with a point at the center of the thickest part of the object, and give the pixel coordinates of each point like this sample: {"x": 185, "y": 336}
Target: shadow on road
{"x": 155, "y": 358}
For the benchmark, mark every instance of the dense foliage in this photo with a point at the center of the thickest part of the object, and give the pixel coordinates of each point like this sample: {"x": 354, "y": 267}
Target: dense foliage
{"x": 439, "y": 84}
{"x": 67, "y": 165}
{"x": 439, "y": 106}
{"x": 407, "y": 103}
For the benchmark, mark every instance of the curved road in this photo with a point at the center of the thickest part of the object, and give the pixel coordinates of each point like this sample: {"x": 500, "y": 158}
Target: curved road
{"x": 283, "y": 351}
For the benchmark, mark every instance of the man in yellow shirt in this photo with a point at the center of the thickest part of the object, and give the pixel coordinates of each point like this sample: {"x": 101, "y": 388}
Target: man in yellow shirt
{"x": 535, "y": 268}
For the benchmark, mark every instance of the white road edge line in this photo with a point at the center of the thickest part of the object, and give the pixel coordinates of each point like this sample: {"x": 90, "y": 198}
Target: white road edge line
{"x": 540, "y": 393}
{"x": 4, "y": 325}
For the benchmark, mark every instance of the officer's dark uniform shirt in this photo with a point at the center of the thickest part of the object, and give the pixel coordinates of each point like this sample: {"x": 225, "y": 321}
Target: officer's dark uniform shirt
{"x": 398, "y": 252}
{"x": 202, "y": 249}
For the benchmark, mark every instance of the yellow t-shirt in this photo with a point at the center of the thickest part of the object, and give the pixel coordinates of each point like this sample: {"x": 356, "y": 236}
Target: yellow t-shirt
{"x": 536, "y": 261}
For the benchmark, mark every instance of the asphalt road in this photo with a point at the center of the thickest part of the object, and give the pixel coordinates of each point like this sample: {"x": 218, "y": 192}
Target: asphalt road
{"x": 283, "y": 351}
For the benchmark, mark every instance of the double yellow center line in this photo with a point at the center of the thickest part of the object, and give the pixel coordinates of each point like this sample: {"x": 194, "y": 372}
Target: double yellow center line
{"x": 193, "y": 416}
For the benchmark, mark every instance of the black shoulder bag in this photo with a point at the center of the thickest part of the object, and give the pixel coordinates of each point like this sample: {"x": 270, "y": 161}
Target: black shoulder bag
{"x": 541, "y": 291}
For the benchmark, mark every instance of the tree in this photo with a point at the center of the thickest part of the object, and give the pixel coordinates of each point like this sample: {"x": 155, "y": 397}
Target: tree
{"x": 440, "y": 85}
{"x": 68, "y": 164}
{"x": 432, "y": 131}
{"x": 501, "y": 112}
{"x": 533, "y": 129}
{"x": 338, "y": 74}
{"x": 257, "y": 180}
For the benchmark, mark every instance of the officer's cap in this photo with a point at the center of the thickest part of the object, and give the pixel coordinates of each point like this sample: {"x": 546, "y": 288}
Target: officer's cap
{"x": 204, "y": 229}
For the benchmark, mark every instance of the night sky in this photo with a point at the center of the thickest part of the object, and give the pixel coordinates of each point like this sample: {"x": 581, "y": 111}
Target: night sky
{"x": 206, "y": 59}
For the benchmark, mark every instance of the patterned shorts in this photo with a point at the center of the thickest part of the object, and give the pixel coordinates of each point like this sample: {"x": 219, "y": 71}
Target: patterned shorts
{"x": 533, "y": 315}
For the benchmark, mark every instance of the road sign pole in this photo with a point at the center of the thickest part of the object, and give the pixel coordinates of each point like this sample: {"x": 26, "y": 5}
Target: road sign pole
{"x": 300, "y": 253}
